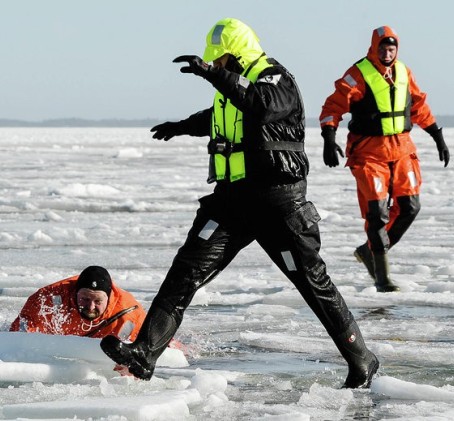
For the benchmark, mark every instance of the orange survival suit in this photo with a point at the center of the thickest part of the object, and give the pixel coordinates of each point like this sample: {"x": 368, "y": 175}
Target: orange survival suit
{"x": 53, "y": 310}
{"x": 385, "y": 166}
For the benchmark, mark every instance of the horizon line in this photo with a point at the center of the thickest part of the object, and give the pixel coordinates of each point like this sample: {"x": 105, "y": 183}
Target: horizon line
{"x": 442, "y": 120}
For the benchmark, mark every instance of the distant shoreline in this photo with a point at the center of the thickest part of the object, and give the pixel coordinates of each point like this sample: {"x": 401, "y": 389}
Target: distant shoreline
{"x": 442, "y": 120}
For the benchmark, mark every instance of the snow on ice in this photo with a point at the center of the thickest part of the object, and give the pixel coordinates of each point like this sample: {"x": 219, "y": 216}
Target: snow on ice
{"x": 70, "y": 198}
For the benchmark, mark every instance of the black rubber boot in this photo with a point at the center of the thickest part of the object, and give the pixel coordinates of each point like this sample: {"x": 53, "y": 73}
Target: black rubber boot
{"x": 383, "y": 282}
{"x": 365, "y": 256}
{"x": 141, "y": 355}
{"x": 362, "y": 363}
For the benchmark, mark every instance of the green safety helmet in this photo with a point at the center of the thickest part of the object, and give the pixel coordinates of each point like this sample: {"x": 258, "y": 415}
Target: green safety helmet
{"x": 234, "y": 37}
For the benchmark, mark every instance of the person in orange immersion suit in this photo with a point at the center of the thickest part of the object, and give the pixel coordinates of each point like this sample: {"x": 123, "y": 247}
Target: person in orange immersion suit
{"x": 89, "y": 304}
{"x": 384, "y": 100}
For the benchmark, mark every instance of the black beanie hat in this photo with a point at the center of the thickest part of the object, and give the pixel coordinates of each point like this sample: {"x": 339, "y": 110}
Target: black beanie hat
{"x": 96, "y": 278}
{"x": 389, "y": 41}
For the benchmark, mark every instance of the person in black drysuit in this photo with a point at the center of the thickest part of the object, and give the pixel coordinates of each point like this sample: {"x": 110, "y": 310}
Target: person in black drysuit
{"x": 257, "y": 159}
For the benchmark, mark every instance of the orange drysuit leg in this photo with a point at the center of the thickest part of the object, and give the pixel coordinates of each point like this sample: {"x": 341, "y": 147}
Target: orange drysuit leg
{"x": 405, "y": 197}
{"x": 376, "y": 183}
{"x": 372, "y": 183}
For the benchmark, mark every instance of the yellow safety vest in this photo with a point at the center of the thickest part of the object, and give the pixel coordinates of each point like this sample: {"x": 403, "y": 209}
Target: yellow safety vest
{"x": 392, "y": 100}
{"x": 227, "y": 127}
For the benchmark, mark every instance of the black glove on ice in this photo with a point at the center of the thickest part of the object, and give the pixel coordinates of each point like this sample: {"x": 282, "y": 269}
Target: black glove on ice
{"x": 437, "y": 136}
{"x": 195, "y": 65}
{"x": 167, "y": 130}
{"x": 331, "y": 148}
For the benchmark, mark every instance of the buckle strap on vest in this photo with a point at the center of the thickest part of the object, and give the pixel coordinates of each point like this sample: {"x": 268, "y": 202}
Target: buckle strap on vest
{"x": 223, "y": 146}
{"x": 226, "y": 148}
{"x": 281, "y": 146}
{"x": 389, "y": 114}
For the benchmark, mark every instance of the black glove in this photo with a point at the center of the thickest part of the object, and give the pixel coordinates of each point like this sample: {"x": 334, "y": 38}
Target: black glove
{"x": 437, "y": 136}
{"x": 331, "y": 148}
{"x": 196, "y": 65}
{"x": 167, "y": 130}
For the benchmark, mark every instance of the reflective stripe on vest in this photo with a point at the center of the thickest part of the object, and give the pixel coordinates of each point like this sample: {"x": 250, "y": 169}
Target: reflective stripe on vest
{"x": 391, "y": 100}
{"x": 227, "y": 125}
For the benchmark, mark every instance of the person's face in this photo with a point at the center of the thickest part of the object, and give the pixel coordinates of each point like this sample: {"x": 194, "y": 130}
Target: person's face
{"x": 91, "y": 304}
{"x": 387, "y": 53}
{"x": 221, "y": 61}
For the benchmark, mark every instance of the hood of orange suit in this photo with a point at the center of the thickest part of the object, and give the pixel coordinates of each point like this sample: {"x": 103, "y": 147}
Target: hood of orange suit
{"x": 378, "y": 35}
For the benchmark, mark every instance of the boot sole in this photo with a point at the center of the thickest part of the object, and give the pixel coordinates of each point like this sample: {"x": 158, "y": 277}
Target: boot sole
{"x": 111, "y": 347}
{"x": 371, "y": 371}
{"x": 388, "y": 288}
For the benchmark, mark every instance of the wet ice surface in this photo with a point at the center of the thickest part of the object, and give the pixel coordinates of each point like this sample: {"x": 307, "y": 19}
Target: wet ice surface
{"x": 70, "y": 198}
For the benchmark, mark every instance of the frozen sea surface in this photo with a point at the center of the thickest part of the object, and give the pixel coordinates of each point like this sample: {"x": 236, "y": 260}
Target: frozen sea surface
{"x": 70, "y": 198}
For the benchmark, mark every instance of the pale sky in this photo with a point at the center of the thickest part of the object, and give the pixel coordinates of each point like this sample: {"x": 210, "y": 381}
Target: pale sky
{"x": 101, "y": 59}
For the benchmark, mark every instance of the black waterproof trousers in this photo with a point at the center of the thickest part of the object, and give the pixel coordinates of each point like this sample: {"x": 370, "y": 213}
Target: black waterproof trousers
{"x": 282, "y": 222}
